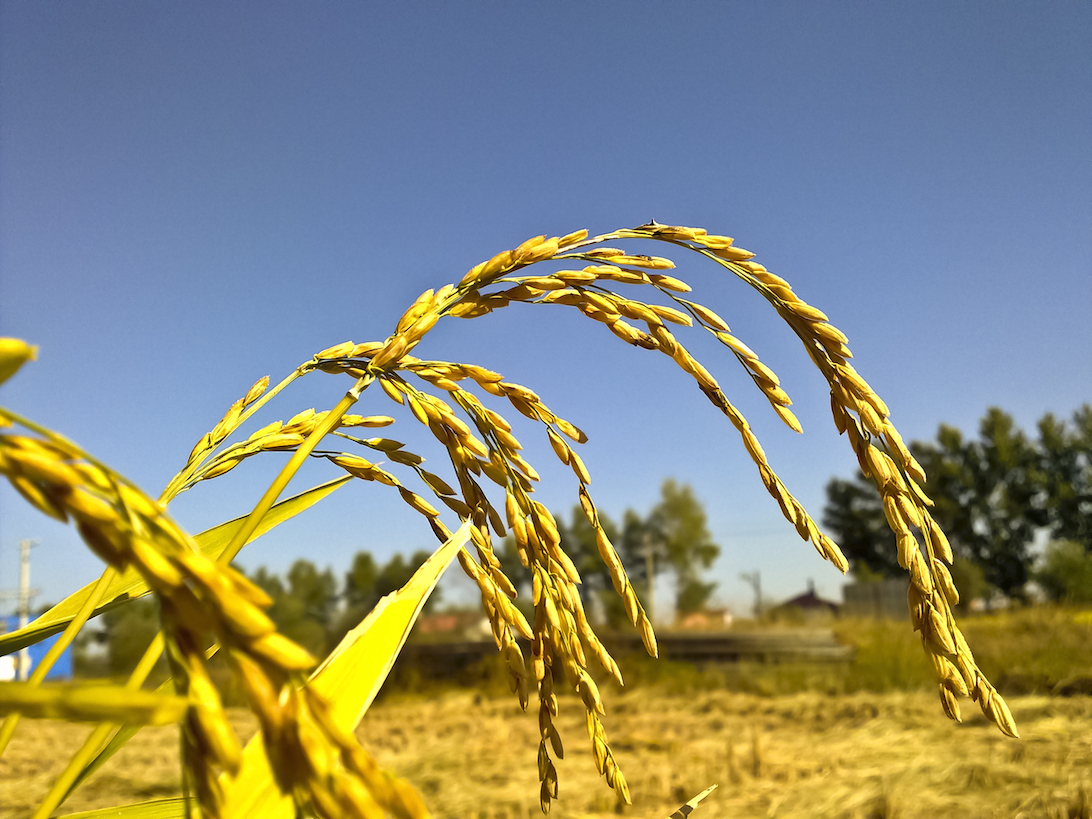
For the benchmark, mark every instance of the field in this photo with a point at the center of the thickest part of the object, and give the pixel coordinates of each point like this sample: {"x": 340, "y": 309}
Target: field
{"x": 807, "y": 754}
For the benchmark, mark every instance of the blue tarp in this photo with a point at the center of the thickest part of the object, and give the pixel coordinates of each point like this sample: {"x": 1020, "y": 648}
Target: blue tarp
{"x": 61, "y": 670}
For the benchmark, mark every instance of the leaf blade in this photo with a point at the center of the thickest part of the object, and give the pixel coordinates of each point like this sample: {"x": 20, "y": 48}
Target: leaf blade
{"x": 91, "y": 703}
{"x": 173, "y": 808}
{"x": 349, "y": 679}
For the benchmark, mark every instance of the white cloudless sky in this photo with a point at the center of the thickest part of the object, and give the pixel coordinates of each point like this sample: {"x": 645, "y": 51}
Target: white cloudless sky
{"x": 194, "y": 195}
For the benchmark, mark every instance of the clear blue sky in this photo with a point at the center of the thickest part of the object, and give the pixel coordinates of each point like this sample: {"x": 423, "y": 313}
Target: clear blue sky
{"x": 193, "y": 195}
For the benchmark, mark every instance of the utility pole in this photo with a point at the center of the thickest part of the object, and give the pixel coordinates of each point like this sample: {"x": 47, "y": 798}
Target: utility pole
{"x": 755, "y": 579}
{"x": 25, "y": 593}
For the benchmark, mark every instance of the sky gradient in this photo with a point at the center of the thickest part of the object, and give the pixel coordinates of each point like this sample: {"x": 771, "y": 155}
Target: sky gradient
{"x": 195, "y": 195}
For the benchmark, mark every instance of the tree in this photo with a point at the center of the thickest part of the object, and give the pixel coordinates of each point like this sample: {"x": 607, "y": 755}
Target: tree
{"x": 579, "y": 543}
{"x": 128, "y": 630}
{"x": 1065, "y": 474}
{"x": 317, "y": 591}
{"x": 679, "y": 529}
{"x": 397, "y": 572}
{"x": 987, "y": 497}
{"x": 303, "y": 609}
{"x": 360, "y": 582}
{"x": 1065, "y": 572}
{"x": 854, "y": 516}
{"x": 675, "y": 531}
{"x": 366, "y": 583}
{"x": 993, "y": 496}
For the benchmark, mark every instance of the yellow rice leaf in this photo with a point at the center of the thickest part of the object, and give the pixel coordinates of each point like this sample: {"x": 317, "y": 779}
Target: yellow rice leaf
{"x": 688, "y": 808}
{"x": 174, "y": 808}
{"x": 123, "y": 735}
{"x": 129, "y": 585}
{"x": 349, "y": 679}
{"x": 91, "y": 703}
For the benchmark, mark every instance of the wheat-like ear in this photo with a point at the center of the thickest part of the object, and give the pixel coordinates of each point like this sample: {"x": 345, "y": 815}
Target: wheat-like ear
{"x": 324, "y": 770}
{"x": 561, "y": 631}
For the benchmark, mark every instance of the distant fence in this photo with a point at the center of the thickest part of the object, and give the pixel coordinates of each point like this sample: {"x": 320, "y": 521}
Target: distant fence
{"x": 885, "y": 598}
{"x": 440, "y": 659}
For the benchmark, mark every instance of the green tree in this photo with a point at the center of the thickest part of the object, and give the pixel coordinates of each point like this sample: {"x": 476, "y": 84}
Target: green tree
{"x": 127, "y": 631}
{"x": 988, "y": 497}
{"x": 677, "y": 528}
{"x": 366, "y": 583}
{"x": 854, "y": 516}
{"x": 579, "y": 543}
{"x": 397, "y": 573}
{"x": 993, "y": 496}
{"x": 1065, "y": 475}
{"x": 317, "y": 591}
{"x": 303, "y": 608}
{"x": 360, "y": 582}
{"x": 676, "y": 532}
{"x": 1065, "y": 572}
{"x": 985, "y": 495}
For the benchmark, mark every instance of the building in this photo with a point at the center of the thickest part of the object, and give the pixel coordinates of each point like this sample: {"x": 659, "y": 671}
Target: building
{"x": 705, "y": 620}
{"x": 807, "y": 607}
{"x": 9, "y": 665}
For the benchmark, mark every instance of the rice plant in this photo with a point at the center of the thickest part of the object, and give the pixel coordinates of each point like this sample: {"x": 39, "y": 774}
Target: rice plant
{"x": 306, "y": 760}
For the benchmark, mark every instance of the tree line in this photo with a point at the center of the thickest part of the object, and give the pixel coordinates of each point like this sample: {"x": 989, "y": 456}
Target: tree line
{"x": 309, "y": 606}
{"x": 313, "y": 608}
{"x": 997, "y": 497}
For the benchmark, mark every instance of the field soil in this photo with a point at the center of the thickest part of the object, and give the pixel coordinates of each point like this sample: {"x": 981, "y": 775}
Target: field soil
{"x": 802, "y": 755}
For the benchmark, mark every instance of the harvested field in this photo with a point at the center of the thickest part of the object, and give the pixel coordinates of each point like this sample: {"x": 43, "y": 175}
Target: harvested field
{"x": 810, "y": 755}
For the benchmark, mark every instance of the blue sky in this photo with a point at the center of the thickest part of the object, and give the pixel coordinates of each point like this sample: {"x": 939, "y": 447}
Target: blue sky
{"x": 194, "y": 195}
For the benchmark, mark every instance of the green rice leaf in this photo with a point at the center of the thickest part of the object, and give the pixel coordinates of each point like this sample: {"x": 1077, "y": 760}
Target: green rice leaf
{"x": 349, "y": 679}
{"x": 129, "y": 585}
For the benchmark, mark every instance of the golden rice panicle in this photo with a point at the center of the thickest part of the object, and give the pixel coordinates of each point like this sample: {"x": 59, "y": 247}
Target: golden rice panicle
{"x": 765, "y": 379}
{"x": 634, "y": 610}
{"x": 228, "y": 424}
{"x": 791, "y": 508}
{"x": 923, "y": 550}
{"x": 547, "y": 710}
{"x": 605, "y": 762}
{"x": 560, "y": 629}
{"x": 533, "y": 250}
{"x": 881, "y": 452}
{"x": 201, "y": 601}
{"x": 505, "y": 620}
{"x": 274, "y": 437}
{"x": 14, "y": 353}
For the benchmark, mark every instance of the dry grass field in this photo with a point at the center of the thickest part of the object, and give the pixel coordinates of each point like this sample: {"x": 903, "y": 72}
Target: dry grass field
{"x": 808, "y": 755}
